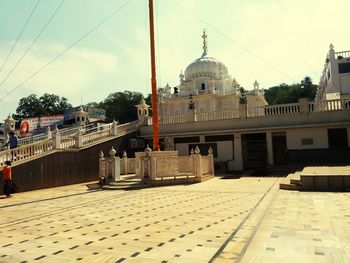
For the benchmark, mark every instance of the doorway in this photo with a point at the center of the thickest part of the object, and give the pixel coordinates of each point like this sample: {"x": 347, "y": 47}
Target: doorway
{"x": 254, "y": 150}
{"x": 279, "y": 147}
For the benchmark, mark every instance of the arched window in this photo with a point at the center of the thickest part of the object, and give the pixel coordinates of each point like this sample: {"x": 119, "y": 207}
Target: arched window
{"x": 203, "y": 86}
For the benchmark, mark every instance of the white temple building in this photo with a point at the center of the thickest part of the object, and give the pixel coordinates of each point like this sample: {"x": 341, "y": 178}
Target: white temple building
{"x": 206, "y": 86}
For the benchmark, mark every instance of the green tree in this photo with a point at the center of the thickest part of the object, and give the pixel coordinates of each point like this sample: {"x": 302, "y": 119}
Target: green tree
{"x": 121, "y": 106}
{"x": 47, "y": 104}
{"x": 285, "y": 93}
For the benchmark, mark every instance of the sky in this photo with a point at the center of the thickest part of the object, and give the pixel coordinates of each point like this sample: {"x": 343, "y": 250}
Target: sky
{"x": 104, "y": 44}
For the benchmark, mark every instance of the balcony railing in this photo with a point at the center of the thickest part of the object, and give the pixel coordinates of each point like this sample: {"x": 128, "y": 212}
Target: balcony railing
{"x": 265, "y": 111}
{"x": 344, "y": 54}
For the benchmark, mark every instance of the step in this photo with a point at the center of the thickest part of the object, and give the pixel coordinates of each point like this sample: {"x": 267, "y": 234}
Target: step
{"x": 290, "y": 187}
{"x": 126, "y": 182}
{"x": 295, "y": 181}
{"x": 125, "y": 187}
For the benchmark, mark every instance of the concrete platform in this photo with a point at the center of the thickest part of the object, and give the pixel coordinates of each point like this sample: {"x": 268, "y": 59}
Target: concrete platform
{"x": 231, "y": 220}
{"x": 326, "y": 179}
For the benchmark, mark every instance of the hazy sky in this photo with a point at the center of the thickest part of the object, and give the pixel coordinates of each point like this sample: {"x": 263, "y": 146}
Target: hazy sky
{"x": 273, "y": 41}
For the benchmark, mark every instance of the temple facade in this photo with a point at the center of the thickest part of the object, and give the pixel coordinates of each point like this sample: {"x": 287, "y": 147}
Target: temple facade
{"x": 208, "y": 110}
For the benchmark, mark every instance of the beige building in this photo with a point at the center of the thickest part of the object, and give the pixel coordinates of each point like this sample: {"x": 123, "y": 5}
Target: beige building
{"x": 207, "y": 110}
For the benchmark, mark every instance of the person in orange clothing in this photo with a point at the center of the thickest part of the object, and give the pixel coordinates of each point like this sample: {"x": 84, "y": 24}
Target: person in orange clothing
{"x": 7, "y": 176}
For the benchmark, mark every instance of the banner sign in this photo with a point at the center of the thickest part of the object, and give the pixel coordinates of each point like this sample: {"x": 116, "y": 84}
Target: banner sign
{"x": 32, "y": 126}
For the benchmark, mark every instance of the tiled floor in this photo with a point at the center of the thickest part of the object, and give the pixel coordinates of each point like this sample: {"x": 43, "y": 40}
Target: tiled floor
{"x": 247, "y": 219}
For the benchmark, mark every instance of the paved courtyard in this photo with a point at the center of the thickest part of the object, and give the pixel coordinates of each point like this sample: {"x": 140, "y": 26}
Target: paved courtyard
{"x": 247, "y": 220}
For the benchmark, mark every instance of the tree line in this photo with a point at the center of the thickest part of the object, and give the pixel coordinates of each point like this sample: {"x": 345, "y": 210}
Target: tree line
{"x": 120, "y": 106}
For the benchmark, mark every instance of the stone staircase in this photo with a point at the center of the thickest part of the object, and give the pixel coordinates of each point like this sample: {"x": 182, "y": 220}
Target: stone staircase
{"x": 128, "y": 182}
{"x": 291, "y": 182}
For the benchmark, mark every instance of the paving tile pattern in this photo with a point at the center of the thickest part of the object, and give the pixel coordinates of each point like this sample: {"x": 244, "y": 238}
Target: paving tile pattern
{"x": 168, "y": 224}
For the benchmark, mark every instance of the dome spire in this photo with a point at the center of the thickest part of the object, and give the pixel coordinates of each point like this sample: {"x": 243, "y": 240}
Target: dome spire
{"x": 205, "y": 47}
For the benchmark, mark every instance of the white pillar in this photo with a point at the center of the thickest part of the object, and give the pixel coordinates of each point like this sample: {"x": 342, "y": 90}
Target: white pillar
{"x": 125, "y": 163}
{"x": 238, "y": 154}
{"x": 48, "y": 132}
{"x": 56, "y": 139}
{"x": 114, "y": 128}
{"x": 197, "y": 162}
{"x": 101, "y": 166}
{"x": 242, "y": 111}
{"x": 304, "y": 105}
{"x": 78, "y": 139}
{"x": 269, "y": 148}
{"x": 211, "y": 160}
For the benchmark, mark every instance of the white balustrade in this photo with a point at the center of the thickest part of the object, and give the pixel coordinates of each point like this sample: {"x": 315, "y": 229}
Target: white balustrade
{"x": 26, "y": 151}
{"x": 32, "y": 139}
{"x": 282, "y": 109}
{"x": 344, "y": 54}
{"x": 67, "y": 143}
{"x": 330, "y": 105}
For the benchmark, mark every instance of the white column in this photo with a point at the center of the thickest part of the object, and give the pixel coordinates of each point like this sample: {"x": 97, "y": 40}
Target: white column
{"x": 48, "y": 132}
{"x": 238, "y": 154}
{"x": 211, "y": 160}
{"x": 56, "y": 139}
{"x": 101, "y": 166}
{"x": 243, "y": 111}
{"x": 198, "y": 162}
{"x": 114, "y": 128}
{"x": 269, "y": 148}
{"x": 78, "y": 139}
{"x": 304, "y": 105}
{"x": 125, "y": 163}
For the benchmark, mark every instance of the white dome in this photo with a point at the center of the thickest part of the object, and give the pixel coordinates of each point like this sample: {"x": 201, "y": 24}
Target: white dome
{"x": 206, "y": 67}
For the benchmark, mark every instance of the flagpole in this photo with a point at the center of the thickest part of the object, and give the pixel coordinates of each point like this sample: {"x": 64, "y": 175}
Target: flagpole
{"x": 155, "y": 118}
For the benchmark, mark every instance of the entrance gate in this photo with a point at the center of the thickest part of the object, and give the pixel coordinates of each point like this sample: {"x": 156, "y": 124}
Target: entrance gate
{"x": 254, "y": 150}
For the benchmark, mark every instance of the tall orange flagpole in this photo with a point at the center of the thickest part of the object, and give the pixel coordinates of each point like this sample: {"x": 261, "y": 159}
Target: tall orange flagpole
{"x": 154, "y": 82}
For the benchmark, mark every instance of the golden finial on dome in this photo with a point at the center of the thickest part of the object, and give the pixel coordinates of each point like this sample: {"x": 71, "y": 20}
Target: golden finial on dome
{"x": 205, "y": 47}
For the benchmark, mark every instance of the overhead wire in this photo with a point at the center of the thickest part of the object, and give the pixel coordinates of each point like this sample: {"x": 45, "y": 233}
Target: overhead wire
{"x": 302, "y": 37}
{"x": 20, "y": 34}
{"x": 33, "y": 42}
{"x": 68, "y": 48}
{"x": 236, "y": 43}
{"x": 301, "y": 57}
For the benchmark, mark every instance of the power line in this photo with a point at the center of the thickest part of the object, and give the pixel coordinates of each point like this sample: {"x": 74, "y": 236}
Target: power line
{"x": 298, "y": 31}
{"x": 68, "y": 48}
{"x": 20, "y": 34}
{"x": 284, "y": 37}
{"x": 236, "y": 43}
{"x": 33, "y": 42}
